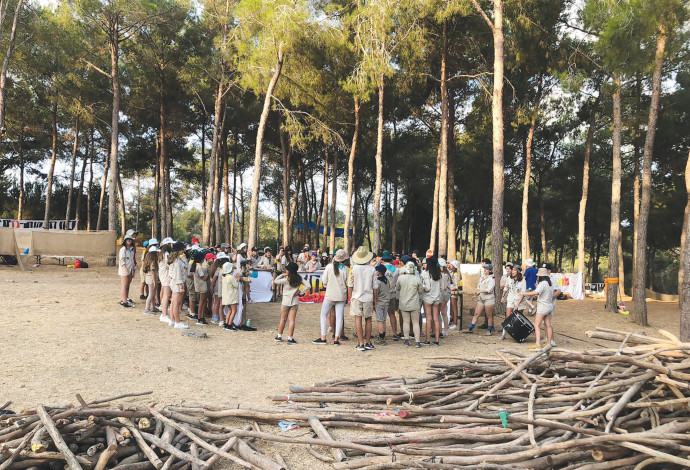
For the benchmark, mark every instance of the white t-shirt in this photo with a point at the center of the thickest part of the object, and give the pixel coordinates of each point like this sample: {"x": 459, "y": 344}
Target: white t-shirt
{"x": 554, "y": 284}
{"x": 544, "y": 299}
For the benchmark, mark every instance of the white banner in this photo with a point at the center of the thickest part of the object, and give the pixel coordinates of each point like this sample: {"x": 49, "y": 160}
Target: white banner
{"x": 37, "y": 224}
{"x": 260, "y": 287}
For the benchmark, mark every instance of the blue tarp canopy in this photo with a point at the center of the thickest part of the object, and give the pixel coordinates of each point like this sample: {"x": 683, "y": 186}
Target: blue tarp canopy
{"x": 339, "y": 232}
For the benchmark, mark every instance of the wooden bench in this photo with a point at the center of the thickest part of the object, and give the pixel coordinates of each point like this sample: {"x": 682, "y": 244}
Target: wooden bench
{"x": 60, "y": 259}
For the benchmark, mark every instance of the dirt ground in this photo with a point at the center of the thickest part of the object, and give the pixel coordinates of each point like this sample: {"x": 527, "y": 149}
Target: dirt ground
{"x": 63, "y": 333}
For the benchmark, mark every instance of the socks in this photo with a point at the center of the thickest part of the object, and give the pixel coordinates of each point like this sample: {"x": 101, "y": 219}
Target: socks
{"x": 382, "y": 335}
{"x": 280, "y": 336}
{"x": 491, "y": 328}
{"x": 290, "y": 338}
{"x": 471, "y": 326}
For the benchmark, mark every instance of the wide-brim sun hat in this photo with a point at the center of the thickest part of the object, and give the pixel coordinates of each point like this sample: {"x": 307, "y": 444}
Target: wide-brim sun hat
{"x": 154, "y": 249}
{"x": 454, "y": 263}
{"x": 241, "y": 246}
{"x": 362, "y": 256}
{"x": 509, "y": 264}
{"x": 266, "y": 249}
{"x": 222, "y": 255}
{"x": 386, "y": 256}
{"x": 340, "y": 255}
{"x": 228, "y": 268}
{"x": 442, "y": 262}
{"x": 529, "y": 262}
{"x": 167, "y": 241}
{"x": 153, "y": 241}
{"x": 542, "y": 272}
{"x": 178, "y": 246}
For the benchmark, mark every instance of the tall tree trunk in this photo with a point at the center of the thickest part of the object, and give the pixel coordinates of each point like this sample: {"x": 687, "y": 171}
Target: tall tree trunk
{"x": 452, "y": 237}
{"x": 621, "y": 267}
{"x": 684, "y": 286}
{"x": 6, "y": 61}
{"x": 434, "y": 203}
{"x": 466, "y": 242}
{"x": 163, "y": 171}
{"x": 123, "y": 215}
{"x": 615, "y": 226}
{"x": 286, "y": 152}
{"x": 350, "y": 175}
{"x": 20, "y": 205}
{"x": 497, "y": 119}
{"x": 394, "y": 230}
{"x": 646, "y": 197}
{"x": 242, "y": 231}
{"x": 73, "y": 168}
{"x": 203, "y": 165}
{"x": 218, "y": 182}
{"x": 234, "y": 193}
{"x": 226, "y": 193}
{"x": 525, "y": 252}
{"x": 542, "y": 222}
{"x": 443, "y": 150}
{"x": 585, "y": 189}
{"x": 379, "y": 171}
{"x": 258, "y": 154}
{"x": 77, "y": 209}
{"x": 156, "y": 223}
{"x": 101, "y": 199}
{"x": 51, "y": 171}
{"x": 334, "y": 194}
{"x": 208, "y": 213}
{"x": 136, "y": 222}
{"x": 636, "y": 181}
{"x": 293, "y": 206}
{"x": 88, "y": 194}
{"x": 323, "y": 210}
{"x": 114, "y": 124}
{"x": 305, "y": 209}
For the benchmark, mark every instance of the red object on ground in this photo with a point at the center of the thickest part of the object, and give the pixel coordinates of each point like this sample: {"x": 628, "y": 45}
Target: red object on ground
{"x": 77, "y": 264}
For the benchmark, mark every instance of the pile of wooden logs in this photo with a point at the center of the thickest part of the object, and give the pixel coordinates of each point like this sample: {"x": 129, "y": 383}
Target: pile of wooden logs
{"x": 609, "y": 408}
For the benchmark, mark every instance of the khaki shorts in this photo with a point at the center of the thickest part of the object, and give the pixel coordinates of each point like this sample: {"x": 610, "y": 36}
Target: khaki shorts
{"x": 487, "y": 303}
{"x": 393, "y": 306}
{"x": 175, "y": 288}
{"x": 381, "y": 312}
{"x": 361, "y": 309}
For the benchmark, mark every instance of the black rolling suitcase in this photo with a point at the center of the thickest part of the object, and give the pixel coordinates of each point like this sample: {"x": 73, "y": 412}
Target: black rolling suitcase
{"x": 518, "y": 326}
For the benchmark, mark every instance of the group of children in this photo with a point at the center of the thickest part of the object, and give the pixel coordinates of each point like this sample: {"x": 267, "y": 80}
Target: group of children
{"x": 401, "y": 291}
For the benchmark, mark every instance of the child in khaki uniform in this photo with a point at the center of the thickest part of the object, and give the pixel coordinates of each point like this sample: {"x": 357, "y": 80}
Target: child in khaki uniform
{"x": 382, "y": 293}
{"x": 361, "y": 291}
{"x": 292, "y": 290}
{"x": 231, "y": 295}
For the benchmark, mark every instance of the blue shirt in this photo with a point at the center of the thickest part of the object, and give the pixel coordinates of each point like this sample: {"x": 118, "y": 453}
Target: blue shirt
{"x": 531, "y": 278}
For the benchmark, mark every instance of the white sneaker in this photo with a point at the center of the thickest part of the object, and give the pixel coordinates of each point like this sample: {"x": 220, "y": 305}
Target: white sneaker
{"x": 164, "y": 318}
{"x": 221, "y": 324}
{"x": 444, "y": 334}
{"x": 171, "y": 322}
{"x": 180, "y": 326}
{"x": 553, "y": 344}
{"x": 453, "y": 326}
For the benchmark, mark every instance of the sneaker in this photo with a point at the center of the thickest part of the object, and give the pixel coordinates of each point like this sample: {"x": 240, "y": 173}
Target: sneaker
{"x": 230, "y": 327}
{"x": 291, "y": 341}
{"x": 535, "y": 347}
{"x": 436, "y": 343}
{"x": 246, "y": 328}
{"x": 407, "y": 342}
{"x": 360, "y": 347}
{"x": 368, "y": 346}
{"x": 319, "y": 341}
{"x": 417, "y": 345}
{"x": 381, "y": 342}
{"x": 155, "y": 310}
{"x": 503, "y": 335}
{"x": 444, "y": 334}
{"x": 344, "y": 338}
{"x": 426, "y": 343}
{"x": 470, "y": 330}
{"x": 201, "y": 321}
{"x": 553, "y": 344}
{"x": 164, "y": 319}
{"x": 171, "y": 322}
{"x": 452, "y": 326}
{"x": 400, "y": 335}
{"x": 278, "y": 339}
{"x": 214, "y": 319}
{"x": 397, "y": 338}
{"x": 483, "y": 327}
{"x": 336, "y": 343}
{"x": 221, "y": 324}
{"x": 192, "y": 316}
{"x": 149, "y": 312}
{"x": 130, "y": 301}
{"x": 126, "y": 304}
{"x": 142, "y": 297}
{"x": 490, "y": 332}
{"x": 181, "y": 326}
